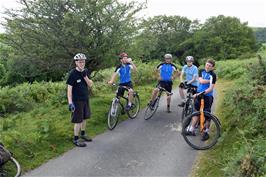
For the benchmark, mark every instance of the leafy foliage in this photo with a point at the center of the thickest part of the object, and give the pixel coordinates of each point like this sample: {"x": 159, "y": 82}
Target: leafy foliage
{"x": 46, "y": 34}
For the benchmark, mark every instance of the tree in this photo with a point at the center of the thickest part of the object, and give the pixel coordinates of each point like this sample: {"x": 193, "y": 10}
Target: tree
{"x": 161, "y": 34}
{"x": 223, "y": 38}
{"x": 46, "y": 34}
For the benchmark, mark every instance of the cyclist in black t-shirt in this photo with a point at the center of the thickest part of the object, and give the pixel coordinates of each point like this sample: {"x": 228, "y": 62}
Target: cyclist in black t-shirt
{"x": 78, "y": 100}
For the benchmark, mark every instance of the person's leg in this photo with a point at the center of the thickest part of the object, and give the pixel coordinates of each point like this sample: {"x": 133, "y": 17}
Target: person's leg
{"x": 77, "y": 117}
{"x": 130, "y": 96}
{"x": 181, "y": 93}
{"x": 86, "y": 115}
{"x": 168, "y": 100}
{"x": 154, "y": 94}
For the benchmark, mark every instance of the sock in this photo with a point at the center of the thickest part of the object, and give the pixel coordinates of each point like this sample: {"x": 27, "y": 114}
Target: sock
{"x": 206, "y": 130}
{"x": 168, "y": 106}
{"x": 82, "y": 133}
{"x": 129, "y": 103}
{"x": 191, "y": 129}
{"x": 76, "y": 138}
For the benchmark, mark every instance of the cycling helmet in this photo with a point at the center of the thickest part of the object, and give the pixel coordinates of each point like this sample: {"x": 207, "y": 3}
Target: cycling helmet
{"x": 189, "y": 58}
{"x": 168, "y": 56}
{"x": 80, "y": 56}
{"x": 123, "y": 54}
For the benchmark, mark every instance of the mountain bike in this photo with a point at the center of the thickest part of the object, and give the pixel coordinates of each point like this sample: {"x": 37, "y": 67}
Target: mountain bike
{"x": 189, "y": 103}
{"x": 153, "y": 105}
{"x": 206, "y": 119}
{"x": 117, "y": 107}
{"x": 9, "y": 166}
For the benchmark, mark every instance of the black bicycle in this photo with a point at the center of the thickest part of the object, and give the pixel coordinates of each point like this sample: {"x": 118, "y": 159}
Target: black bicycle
{"x": 153, "y": 105}
{"x": 198, "y": 138}
{"x": 189, "y": 103}
{"x": 9, "y": 166}
{"x": 117, "y": 108}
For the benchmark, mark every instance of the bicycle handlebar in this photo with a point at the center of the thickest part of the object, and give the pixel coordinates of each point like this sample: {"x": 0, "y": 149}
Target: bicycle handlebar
{"x": 201, "y": 94}
{"x": 114, "y": 85}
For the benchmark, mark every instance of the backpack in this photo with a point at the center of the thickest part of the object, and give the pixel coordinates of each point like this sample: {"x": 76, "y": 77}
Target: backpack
{"x": 5, "y": 155}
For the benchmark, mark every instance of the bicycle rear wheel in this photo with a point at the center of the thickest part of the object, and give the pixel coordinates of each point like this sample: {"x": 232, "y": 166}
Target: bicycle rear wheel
{"x": 195, "y": 140}
{"x": 10, "y": 168}
{"x": 113, "y": 114}
{"x": 133, "y": 112}
{"x": 151, "y": 109}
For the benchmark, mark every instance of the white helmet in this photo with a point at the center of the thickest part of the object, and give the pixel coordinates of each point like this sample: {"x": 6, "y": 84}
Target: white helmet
{"x": 80, "y": 56}
{"x": 168, "y": 56}
{"x": 189, "y": 58}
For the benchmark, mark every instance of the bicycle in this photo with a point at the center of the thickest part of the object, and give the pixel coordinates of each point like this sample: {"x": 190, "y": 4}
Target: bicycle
{"x": 195, "y": 140}
{"x": 153, "y": 106}
{"x": 189, "y": 103}
{"x": 117, "y": 107}
{"x": 9, "y": 166}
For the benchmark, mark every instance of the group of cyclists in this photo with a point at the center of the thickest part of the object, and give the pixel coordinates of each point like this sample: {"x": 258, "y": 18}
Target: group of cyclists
{"x": 78, "y": 83}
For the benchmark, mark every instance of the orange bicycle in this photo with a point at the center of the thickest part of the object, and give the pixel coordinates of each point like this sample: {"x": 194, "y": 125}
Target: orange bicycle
{"x": 207, "y": 124}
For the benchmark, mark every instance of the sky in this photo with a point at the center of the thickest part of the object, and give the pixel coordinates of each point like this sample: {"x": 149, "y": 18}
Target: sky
{"x": 251, "y": 11}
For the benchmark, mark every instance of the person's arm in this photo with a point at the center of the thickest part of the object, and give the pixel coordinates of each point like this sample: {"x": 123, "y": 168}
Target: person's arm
{"x": 134, "y": 68}
{"x": 175, "y": 73}
{"x": 181, "y": 76}
{"x": 193, "y": 79}
{"x": 212, "y": 83}
{"x": 112, "y": 78}
{"x": 203, "y": 81}
{"x": 88, "y": 81}
{"x": 69, "y": 94}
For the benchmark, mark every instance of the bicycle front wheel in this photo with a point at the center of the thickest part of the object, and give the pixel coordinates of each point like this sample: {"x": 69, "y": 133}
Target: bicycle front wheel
{"x": 113, "y": 114}
{"x": 151, "y": 109}
{"x": 10, "y": 168}
{"x": 197, "y": 139}
{"x": 133, "y": 112}
{"x": 187, "y": 109}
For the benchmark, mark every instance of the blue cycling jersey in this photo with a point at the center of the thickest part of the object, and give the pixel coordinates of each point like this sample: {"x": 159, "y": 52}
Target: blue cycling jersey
{"x": 166, "y": 71}
{"x": 124, "y": 72}
{"x": 211, "y": 76}
{"x": 191, "y": 71}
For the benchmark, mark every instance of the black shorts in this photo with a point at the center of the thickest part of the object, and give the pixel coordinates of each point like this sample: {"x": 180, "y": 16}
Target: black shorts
{"x": 167, "y": 85}
{"x": 207, "y": 103}
{"x": 82, "y": 111}
{"x": 121, "y": 90}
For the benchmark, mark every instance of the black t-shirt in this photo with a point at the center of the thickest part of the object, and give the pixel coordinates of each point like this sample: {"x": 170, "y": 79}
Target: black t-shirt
{"x": 80, "y": 90}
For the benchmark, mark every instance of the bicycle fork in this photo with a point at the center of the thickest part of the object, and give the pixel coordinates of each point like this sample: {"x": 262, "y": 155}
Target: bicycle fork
{"x": 114, "y": 106}
{"x": 201, "y": 115}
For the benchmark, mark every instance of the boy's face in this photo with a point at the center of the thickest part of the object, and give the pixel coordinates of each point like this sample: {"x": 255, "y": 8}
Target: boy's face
{"x": 189, "y": 63}
{"x": 123, "y": 60}
{"x": 167, "y": 60}
{"x": 80, "y": 64}
{"x": 208, "y": 67}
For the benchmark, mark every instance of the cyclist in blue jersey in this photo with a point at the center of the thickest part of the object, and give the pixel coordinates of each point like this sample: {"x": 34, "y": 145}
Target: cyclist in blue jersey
{"x": 124, "y": 71}
{"x": 207, "y": 80}
{"x": 167, "y": 72}
{"x": 191, "y": 73}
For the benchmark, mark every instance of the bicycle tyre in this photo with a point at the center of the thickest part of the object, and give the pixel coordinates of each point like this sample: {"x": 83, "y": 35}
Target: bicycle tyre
{"x": 133, "y": 112}
{"x": 149, "y": 112}
{"x": 195, "y": 141}
{"x": 10, "y": 168}
{"x": 187, "y": 109}
{"x": 112, "y": 119}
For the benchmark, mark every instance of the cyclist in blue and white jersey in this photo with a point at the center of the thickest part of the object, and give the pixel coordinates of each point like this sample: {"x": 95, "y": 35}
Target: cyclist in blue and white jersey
{"x": 191, "y": 73}
{"x": 167, "y": 73}
{"x": 124, "y": 72}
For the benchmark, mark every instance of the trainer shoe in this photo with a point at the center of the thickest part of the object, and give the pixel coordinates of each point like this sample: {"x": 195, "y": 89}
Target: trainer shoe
{"x": 205, "y": 136}
{"x": 190, "y": 133}
{"x": 86, "y": 138}
{"x": 79, "y": 143}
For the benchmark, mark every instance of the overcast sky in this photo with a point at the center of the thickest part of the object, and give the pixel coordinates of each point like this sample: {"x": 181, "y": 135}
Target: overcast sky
{"x": 251, "y": 11}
